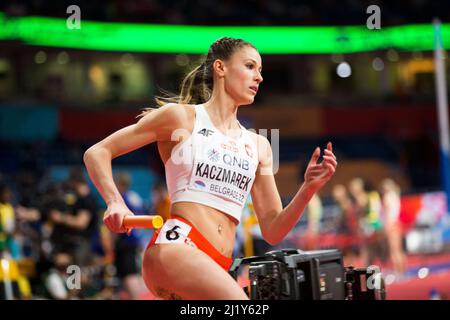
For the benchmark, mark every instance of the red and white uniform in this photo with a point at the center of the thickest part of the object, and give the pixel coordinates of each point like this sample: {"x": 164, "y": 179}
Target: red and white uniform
{"x": 211, "y": 168}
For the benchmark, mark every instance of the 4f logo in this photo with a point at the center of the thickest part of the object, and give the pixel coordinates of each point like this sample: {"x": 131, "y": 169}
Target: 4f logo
{"x": 206, "y": 132}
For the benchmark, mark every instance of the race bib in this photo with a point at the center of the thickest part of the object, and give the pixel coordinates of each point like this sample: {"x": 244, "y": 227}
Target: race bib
{"x": 173, "y": 231}
{"x": 223, "y": 173}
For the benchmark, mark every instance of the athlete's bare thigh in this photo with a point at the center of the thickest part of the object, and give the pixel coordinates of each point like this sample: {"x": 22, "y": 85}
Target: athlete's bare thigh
{"x": 178, "y": 271}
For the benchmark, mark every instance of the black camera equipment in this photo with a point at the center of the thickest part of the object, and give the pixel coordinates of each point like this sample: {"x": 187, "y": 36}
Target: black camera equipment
{"x": 364, "y": 284}
{"x": 293, "y": 274}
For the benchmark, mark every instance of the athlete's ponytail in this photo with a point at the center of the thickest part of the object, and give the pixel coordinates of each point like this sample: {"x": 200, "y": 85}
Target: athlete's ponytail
{"x": 197, "y": 86}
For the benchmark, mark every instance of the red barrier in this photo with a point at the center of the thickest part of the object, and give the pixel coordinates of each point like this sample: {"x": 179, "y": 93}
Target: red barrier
{"x": 89, "y": 125}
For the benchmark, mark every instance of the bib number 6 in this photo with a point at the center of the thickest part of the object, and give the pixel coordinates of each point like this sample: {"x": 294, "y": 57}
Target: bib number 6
{"x": 172, "y": 234}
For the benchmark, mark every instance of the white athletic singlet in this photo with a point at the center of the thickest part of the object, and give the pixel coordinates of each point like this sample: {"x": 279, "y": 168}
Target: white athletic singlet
{"x": 211, "y": 168}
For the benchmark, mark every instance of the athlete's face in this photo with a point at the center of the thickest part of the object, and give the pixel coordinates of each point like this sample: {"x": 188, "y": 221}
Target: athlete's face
{"x": 242, "y": 74}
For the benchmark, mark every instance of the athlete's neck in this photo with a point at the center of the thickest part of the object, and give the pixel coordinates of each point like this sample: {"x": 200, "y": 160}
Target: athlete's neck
{"x": 223, "y": 112}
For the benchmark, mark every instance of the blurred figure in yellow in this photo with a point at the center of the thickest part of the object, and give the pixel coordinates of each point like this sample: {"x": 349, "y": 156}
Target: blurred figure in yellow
{"x": 368, "y": 205}
{"x": 7, "y": 221}
{"x": 253, "y": 241}
{"x": 391, "y": 208}
{"x": 13, "y": 285}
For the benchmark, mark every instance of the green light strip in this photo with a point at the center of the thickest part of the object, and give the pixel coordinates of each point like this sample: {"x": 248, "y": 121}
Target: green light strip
{"x": 132, "y": 37}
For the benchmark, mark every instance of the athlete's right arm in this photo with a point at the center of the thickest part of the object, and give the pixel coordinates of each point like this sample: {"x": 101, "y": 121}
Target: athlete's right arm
{"x": 157, "y": 125}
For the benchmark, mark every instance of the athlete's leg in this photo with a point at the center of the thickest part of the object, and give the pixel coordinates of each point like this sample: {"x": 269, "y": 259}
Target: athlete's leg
{"x": 178, "y": 271}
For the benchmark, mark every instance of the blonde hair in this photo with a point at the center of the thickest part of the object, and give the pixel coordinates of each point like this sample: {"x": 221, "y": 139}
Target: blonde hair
{"x": 197, "y": 85}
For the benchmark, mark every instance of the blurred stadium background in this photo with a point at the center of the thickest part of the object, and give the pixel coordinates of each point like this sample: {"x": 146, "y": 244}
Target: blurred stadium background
{"x": 371, "y": 92}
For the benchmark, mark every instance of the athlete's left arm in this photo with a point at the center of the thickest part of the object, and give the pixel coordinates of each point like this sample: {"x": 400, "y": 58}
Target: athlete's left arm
{"x": 274, "y": 220}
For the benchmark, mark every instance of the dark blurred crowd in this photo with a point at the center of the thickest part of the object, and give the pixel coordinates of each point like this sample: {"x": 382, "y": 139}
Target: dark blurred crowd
{"x": 233, "y": 12}
{"x": 56, "y": 247}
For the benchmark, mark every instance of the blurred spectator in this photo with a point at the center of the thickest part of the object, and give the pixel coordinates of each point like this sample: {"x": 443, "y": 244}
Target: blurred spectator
{"x": 128, "y": 246}
{"x": 349, "y": 223}
{"x": 314, "y": 214}
{"x": 60, "y": 282}
{"x": 249, "y": 240}
{"x": 28, "y": 214}
{"x": 368, "y": 206}
{"x": 251, "y": 237}
{"x": 53, "y": 198}
{"x": 8, "y": 244}
{"x": 391, "y": 208}
{"x": 55, "y": 280}
{"x": 75, "y": 220}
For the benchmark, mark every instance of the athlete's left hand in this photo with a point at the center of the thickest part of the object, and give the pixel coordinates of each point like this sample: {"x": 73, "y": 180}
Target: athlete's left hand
{"x": 318, "y": 174}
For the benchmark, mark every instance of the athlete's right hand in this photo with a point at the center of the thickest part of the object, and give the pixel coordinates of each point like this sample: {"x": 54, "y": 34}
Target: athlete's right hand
{"x": 114, "y": 215}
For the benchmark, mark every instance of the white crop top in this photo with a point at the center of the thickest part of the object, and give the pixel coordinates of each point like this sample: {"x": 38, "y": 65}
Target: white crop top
{"x": 211, "y": 168}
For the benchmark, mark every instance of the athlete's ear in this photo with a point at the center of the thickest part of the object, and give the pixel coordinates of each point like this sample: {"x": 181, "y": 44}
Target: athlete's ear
{"x": 219, "y": 67}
